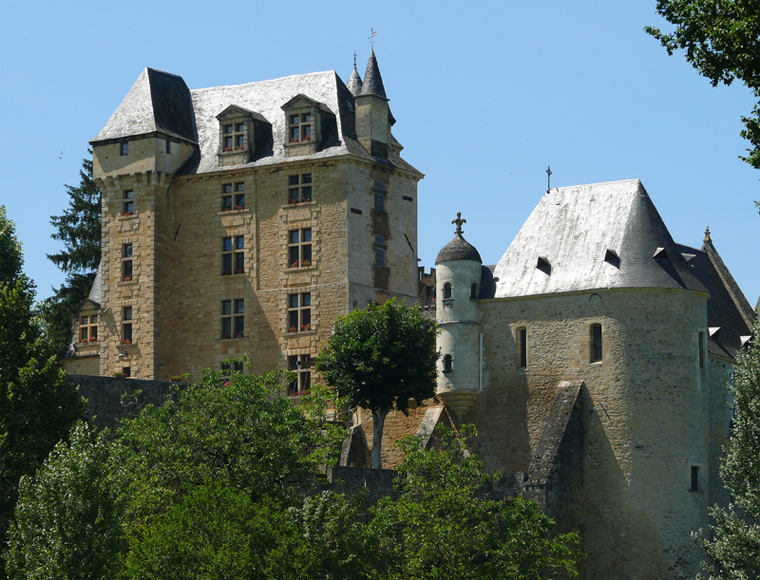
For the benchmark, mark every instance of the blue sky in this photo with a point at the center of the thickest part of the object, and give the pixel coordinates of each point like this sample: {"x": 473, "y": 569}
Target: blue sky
{"x": 486, "y": 96}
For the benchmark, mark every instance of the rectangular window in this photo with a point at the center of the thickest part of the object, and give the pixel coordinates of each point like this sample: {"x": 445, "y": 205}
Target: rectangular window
{"x": 299, "y": 248}
{"x": 596, "y": 343}
{"x": 300, "y": 365}
{"x": 124, "y": 148}
{"x": 129, "y": 203}
{"x": 88, "y": 328}
{"x": 239, "y": 197}
{"x": 299, "y": 312}
{"x": 299, "y": 188}
{"x": 126, "y": 262}
{"x": 126, "y": 325}
{"x": 694, "y": 478}
{"x": 228, "y": 367}
{"x": 379, "y": 202}
{"x": 379, "y": 185}
{"x": 168, "y": 147}
{"x": 232, "y": 202}
{"x": 379, "y": 250}
{"x": 701, "y": 347}
{"x": 300, "y": 128}
{"x": 233, "y": 255}
{"x": 233, "y": 318}
{"x": 522, "y": 347}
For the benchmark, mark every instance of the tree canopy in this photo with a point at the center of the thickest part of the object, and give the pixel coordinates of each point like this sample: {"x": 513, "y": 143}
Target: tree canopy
{"x": 734, "y": 546}
{"x": 37, "y": 408}
{"x": 379, "y": 359}
{"x": 721, "y": 39}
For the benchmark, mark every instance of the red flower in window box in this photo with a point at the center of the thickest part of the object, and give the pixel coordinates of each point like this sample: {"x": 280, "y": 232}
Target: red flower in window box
{"x": 305, "y": 263}
{"x": 227, "y": 149}
{"x": 305, "y": 327}
{"x": 307, "y": 138}
{"x": 128, "y": 214}
{"x": 226, "y": 272}
{"x": 93, "y": 340}
{"x": 293, "y": 200}
{"x": 294, "y": 264}
{"x": 126, "y": 279}
{"x": 292, "y": 329}
{"x": 239, "y": 334}
{"x": 303, "y": 199}
{"x": 126, "y": 341}
{"x": 294, "y": 140}
{"x": 240, "y": 271}
{"x": 239, "y": 207}
{"x": 226, "y": 336}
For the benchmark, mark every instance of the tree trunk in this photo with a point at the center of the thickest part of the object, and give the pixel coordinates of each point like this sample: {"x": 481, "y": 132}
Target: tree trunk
{"x": 378, "y": 422}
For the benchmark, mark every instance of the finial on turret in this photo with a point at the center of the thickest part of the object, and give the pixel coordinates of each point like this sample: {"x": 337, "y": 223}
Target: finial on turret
{"x": 707, "y": 235}
{"x": 372, "y": 36}
{"x": 459, "y": 221}
{"x": 354, "y": 59}
{"x": 548, "y": 178}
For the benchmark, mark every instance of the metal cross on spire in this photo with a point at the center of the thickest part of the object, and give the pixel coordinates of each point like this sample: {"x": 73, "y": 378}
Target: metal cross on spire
{"x": 372, "y": 36}
{"x": 548, "y": 178}
{"x": 459, "y": 221}
{"x": 354, "y": 59}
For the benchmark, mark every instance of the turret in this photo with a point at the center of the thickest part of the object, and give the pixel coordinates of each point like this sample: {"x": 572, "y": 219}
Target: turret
{"x": 457, "y": 312}
{"x": 373, "y": 119}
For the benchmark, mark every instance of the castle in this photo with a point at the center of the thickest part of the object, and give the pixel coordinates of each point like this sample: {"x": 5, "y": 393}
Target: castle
{"x": 592, "y": 358}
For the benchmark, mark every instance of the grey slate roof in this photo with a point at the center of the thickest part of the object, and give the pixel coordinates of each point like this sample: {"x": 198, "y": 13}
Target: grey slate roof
{"x": 158, "y": 101}
{"x": 355, "y": 83}
{"x": 727, "y": 308}
{"x": 458, "y": 249}
{"x": 586, "y": 237}
{"x": 143, "y": 111}
{"x": 373, "y": 81}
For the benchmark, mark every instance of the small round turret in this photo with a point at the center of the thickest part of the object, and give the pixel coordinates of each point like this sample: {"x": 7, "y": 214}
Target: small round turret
{"x": 458, "y": 268}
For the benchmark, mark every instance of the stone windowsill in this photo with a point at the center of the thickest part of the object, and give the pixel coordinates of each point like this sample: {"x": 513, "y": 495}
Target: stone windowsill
{"x": 126, "y": 217}
{"x": 131, "y": 282}
{"x": 299, "y": 204}
{"x": 299, "y": 333}
{"x": 300, "y": 268}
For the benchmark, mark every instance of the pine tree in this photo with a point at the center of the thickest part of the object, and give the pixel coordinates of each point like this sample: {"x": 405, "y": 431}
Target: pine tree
{"x": 79, "y": 230}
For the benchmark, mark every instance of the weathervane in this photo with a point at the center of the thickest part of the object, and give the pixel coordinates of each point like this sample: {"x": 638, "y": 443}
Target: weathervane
{"x": 372, "y": 36}
{"x": 459, "y": 221}
{"x": 548, "y": 178}
{"x": 354, "y": 59}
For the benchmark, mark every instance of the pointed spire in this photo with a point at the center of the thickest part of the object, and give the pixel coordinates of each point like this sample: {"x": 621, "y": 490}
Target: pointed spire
{"x": 373, "y": 82}
{"x": 355, "y": 81}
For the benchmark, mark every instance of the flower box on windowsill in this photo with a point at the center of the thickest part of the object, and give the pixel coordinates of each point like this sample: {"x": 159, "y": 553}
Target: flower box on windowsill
{"x": 88, "y": 341}
{"x": 299, "y": 393}
{"x": 296, "y": 201}
{"x": 239, "y": 149}
{"x": 293, "y": 331}
{"x": 233, "y": 210}
{"x": 127, "y": 342}
{"x": 126, "y": 215}
{"x": 127, "y": 279}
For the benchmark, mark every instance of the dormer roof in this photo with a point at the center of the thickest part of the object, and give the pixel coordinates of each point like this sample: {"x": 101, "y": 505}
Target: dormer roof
{"x": 157, "y": 102}
{"x": 577, "y": 229}
{"x": 236, "y": 111}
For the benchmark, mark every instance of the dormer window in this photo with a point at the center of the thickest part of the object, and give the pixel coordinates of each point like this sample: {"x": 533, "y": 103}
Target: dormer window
{"x": 233, "y": 137}
{"x": 301, "y": 127}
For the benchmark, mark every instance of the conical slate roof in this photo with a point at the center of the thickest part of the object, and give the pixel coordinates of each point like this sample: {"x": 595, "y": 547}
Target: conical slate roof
{"x": 373, "y": 82}
{"x": 603, "y": 235}
{"x": 355, "y": 83}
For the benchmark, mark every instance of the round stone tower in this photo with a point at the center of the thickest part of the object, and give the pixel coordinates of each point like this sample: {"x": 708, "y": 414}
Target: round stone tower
{"x": 457, "y": 312}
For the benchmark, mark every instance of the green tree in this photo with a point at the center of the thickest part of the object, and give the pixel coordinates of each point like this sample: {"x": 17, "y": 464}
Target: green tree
{"x": 37, "y": 408}
{"x": 722, "y": 41}
{"x": 445, "y": 525}
{"x": 79, "y": 230}
{"x": 379, "y": 359}
{"x": 734, "y": 546}
{"x": 68, "y": 517}
{"x": 236, "y": 430}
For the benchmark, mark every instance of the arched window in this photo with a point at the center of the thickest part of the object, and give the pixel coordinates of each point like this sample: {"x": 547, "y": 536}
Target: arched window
{"x": 473, "y": 291}
{"x": 447, "y": 291}
{"x": 448, "y": 363}
{"x": 595, "y": 339}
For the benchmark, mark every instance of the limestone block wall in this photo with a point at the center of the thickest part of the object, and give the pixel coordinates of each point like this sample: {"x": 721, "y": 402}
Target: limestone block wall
{"x": 646, "y": 423}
